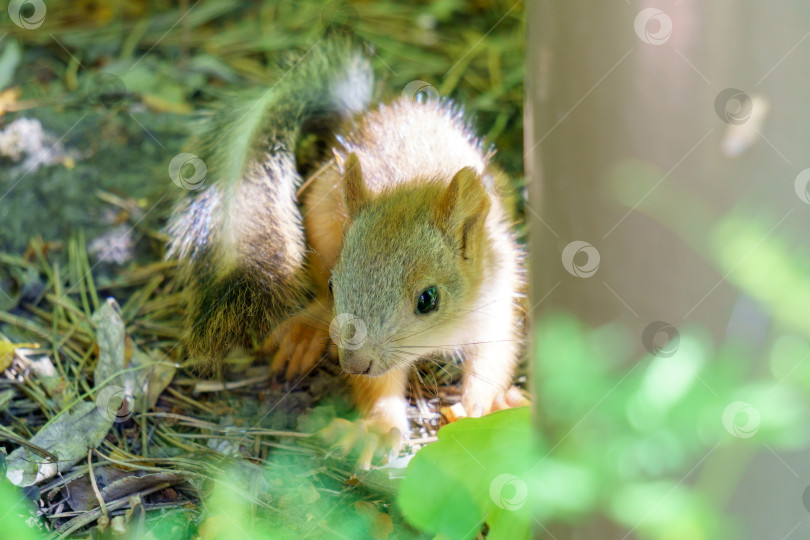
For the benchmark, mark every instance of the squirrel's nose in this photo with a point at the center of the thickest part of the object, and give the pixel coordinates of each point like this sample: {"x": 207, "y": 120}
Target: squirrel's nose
{"x": 354, "y": 363}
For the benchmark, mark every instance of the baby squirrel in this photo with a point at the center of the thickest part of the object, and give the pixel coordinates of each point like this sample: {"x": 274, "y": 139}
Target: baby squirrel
{"x": 401, "y": 242}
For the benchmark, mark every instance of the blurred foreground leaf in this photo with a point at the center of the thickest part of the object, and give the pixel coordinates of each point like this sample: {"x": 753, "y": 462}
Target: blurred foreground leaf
{"x": 474, "y": 473}
{"x": 17, "y": 513}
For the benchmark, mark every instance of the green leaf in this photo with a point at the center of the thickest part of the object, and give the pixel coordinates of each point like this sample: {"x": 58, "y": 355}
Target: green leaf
{"x": 13, "y": 521}
{"x": 476, "y": 472}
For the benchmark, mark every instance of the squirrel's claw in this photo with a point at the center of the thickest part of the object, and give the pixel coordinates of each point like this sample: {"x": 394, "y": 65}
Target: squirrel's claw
{"x": 370, "y": 438}
{"x": 300, "y": 344}
{"x": 478, "y": 405}
{"x": 514, "y": 397}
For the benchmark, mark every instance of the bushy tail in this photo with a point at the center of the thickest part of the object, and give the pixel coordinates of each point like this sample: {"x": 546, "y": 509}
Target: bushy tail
{"x": 239, "y": 241}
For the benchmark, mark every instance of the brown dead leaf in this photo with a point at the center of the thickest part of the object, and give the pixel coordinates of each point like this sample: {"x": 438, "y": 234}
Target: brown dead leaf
{"x": 114, "y": 483}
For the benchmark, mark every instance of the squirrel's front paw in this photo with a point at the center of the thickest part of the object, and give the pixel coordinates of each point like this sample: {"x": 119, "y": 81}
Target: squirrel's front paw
{"x": 300, "y": 342}
{"x": 370, "y": 438}
{"x": 479, "y": 402}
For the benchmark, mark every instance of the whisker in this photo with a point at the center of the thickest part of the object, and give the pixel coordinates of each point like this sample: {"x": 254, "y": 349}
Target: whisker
{"x": 411, "y": 335}
{"x": 457, "y": 345}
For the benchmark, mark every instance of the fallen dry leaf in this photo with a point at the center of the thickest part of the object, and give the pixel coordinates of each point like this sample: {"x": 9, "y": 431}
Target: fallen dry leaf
{"x": 67, "y": 436}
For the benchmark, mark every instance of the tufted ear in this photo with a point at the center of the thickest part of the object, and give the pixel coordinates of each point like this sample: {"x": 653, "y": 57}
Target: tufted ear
{"x": 462, "y": 209}
{"x": 355, "y": 194}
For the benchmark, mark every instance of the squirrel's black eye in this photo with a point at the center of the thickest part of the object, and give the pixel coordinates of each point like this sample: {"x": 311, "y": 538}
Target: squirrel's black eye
{"x": 330, "y": 285}
{"x": 428, "y": 300}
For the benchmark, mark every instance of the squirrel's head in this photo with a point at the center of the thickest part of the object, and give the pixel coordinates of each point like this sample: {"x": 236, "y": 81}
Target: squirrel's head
{"x": 412, "y": 261}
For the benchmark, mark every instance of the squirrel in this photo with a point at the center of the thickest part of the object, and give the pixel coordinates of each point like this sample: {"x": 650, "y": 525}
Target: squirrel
{"x": 399, "y": 247}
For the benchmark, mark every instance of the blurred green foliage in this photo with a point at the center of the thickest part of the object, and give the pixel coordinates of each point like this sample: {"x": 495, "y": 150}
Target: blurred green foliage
{"x": 623, "y": 440}
{"x": 17, "y": 517}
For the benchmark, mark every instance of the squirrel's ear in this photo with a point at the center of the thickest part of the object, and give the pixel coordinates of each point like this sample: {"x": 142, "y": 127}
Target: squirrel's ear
{"x": 355, "y": 194}
{"x": 462, "y": 210}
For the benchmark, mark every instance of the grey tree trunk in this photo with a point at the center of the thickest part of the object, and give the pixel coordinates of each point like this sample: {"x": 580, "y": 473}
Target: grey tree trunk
{"x": 637, "y": 143}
